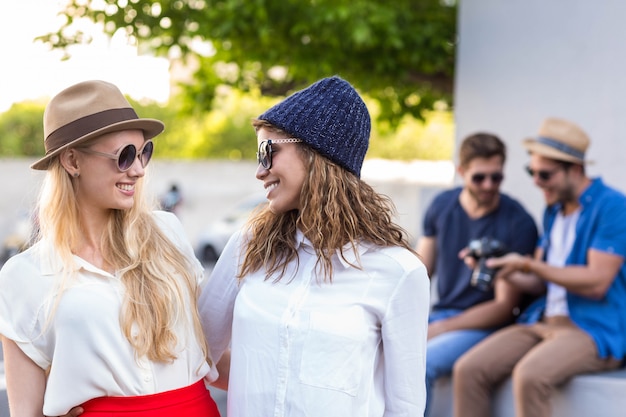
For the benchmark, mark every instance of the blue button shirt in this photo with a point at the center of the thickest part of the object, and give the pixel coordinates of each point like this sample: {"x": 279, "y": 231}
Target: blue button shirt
{"x": 602, "y": 227}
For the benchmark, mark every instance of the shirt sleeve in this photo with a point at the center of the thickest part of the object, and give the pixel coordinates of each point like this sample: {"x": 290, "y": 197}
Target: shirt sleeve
{"x": 217, "y": 298}
{"x": 23, "y": 294}
{"x": 429, "y": 224}
{"x": 404, "y": 334}
{"x": 611, "y": 229}
{"x": 440, "y": 206}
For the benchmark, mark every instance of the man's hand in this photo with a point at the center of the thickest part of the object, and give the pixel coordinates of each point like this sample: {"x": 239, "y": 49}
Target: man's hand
{"x": 469, "y": 260}
{"x": 509, "y": 263}
{"x": 517, "y": 270}
{"x": 436, "y": 328}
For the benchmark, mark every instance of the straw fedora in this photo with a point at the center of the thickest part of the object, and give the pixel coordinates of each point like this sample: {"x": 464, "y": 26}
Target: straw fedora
{"x": 87, "y": 110}
{"x": 561, "y": 140}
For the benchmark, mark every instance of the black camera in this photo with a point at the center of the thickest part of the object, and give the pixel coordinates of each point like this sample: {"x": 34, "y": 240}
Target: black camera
{"x": 482, "y": 249}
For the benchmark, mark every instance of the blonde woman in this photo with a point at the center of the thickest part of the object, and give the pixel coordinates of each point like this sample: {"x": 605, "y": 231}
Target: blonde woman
{"x": 101, "y": 312}
{"x": 321, "y": 297}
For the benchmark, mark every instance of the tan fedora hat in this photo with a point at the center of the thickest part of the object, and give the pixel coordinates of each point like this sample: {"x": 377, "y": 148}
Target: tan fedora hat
{"x": 561, "y": 140}
{"x": 87, "y": 110}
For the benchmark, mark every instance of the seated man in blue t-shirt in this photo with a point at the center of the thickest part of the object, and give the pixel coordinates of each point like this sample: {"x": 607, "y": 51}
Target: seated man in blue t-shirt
{"x": 466, "y": 311}
{"x": 580, "y": 324}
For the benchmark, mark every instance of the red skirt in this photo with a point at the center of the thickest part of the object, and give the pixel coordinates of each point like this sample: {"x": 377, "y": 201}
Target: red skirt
{"x": 192, "y": 401}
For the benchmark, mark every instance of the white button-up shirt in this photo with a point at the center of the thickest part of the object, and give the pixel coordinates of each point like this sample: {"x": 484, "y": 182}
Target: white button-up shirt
{"x": 302, "y": 347}
{"x": 91, "y": 356}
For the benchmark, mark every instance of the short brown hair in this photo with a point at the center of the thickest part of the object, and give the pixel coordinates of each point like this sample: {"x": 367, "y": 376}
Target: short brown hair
{"x": 481, "y": 145}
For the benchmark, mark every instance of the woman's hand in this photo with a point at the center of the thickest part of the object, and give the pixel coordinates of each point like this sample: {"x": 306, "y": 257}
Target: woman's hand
{"x": 74, "y": 412}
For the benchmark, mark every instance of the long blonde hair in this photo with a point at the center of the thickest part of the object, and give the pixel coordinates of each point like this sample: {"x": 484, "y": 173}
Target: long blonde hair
{"x": 338, "y": 209}
{"x": 146, "y": 261}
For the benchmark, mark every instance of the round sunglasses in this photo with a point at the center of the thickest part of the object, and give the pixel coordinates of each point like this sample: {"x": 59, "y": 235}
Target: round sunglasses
{"x": 125, "y": 157}
{"x": 264, "y": 155}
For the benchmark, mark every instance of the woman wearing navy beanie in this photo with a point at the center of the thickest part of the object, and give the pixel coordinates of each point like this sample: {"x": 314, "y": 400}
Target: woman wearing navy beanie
{"x": 320, "y": 297}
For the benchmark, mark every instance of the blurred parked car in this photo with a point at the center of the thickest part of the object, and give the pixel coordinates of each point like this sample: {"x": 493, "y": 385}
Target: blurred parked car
{"x": 212, "y": 240}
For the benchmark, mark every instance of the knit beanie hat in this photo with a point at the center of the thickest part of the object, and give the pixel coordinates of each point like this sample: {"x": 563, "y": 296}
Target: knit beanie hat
{"x": 329, "y": 116}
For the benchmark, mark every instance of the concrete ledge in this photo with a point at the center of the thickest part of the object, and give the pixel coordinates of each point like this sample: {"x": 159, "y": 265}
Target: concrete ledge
{"x": 601, "y": 394}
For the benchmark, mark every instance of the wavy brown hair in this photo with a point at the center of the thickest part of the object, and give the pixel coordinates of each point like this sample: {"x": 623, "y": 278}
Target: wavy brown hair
{"x": 338, "y": 209}
{"x": 161, "y": 289}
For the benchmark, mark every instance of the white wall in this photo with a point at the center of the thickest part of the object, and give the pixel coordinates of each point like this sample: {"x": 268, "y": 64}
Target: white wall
{"x": 520, "y": 61}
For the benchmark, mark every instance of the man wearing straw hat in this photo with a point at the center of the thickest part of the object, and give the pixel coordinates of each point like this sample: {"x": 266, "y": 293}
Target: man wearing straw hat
{"x": 579, "y": 326}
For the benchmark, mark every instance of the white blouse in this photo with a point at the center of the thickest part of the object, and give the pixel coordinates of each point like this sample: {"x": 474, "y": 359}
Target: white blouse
{"x": 91, "y": 356}
{"x": 303, "y": 347}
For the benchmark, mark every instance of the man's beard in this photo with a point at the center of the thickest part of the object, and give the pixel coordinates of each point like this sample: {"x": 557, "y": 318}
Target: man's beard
{"x": 481, "y": 199}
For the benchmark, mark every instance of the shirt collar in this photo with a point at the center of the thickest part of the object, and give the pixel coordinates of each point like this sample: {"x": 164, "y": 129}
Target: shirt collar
{"x": 591, "y": 191}
{"x": 51, "y": 261}
{"x": 350, "y": 256}
{"x": 585, "y": 198}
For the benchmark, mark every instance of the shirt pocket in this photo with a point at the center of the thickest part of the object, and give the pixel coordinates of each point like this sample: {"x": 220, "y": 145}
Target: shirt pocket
{"x": 332, "y": 352}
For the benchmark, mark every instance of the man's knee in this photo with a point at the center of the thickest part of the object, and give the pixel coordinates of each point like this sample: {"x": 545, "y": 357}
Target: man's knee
{"x": 526, "y": 377}
{"x": 531, "y": 384}
{"x": 466, "y": 369}
{"x": 436, "y": 369}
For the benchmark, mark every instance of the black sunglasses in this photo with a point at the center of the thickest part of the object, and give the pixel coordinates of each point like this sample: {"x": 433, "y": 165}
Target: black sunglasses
{"x": 126, "y": 156}
{"x": 496, "y": 178}
{"x": 543, "y": 175}
{"x": 264, "y": 155}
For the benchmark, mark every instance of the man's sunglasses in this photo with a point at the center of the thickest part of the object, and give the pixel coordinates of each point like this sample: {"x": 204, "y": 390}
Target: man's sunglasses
{"x": 264, "y": 155}
{"x": 125, "y": 157}
{"x": 479, "y": 178}
{"x": 543, "y": 175}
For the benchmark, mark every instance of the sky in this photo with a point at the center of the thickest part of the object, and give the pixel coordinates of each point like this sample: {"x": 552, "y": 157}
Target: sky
{"x": 29, "y": 70}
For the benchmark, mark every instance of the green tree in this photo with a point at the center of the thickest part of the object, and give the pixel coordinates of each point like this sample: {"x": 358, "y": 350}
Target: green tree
{"x": 225, "y": 132}
{"x": 399, "y": 52}
{"x": 21, "y": 130}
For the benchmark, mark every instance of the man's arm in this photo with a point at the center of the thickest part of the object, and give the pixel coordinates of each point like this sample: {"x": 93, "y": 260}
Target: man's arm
{"x": 592, "y": 280}
{"x": 427, "y": 250}
{"x": 485, "y": 315}
{"x": 524, "y": 280}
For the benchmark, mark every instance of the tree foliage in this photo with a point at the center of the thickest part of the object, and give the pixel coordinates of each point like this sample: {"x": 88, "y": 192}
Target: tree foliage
{"x": 225, "y": 132}
{"x": 399, "y": 52}
{"x": 21, "y": 130}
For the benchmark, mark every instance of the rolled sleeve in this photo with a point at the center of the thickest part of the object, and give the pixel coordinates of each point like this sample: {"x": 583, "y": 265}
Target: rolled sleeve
{"x": 22, "y": 297}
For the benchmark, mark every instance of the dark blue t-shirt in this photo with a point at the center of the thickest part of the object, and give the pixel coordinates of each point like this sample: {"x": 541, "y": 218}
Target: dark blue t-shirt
{"x": 453, "y": 229}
